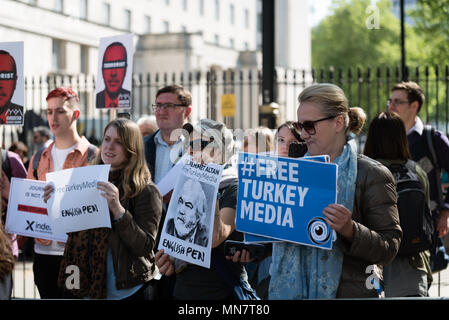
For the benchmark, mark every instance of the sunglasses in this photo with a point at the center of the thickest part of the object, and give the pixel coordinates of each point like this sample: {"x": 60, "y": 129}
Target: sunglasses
{"x": 309, "y": 126}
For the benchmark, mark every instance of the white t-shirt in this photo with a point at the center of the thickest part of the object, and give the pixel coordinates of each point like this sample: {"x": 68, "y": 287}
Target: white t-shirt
{"x": 58, "y": 157}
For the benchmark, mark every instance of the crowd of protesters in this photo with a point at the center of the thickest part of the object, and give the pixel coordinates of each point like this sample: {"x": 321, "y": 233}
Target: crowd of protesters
{"x": 123, "y": 262}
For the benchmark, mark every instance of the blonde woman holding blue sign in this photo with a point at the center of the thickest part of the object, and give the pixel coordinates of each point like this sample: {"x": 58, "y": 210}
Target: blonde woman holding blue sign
{"x": 365, "y": 216}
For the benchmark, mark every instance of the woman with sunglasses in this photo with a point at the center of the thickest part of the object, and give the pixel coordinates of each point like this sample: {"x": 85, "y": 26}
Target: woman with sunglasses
{"x": 365, "y": 216}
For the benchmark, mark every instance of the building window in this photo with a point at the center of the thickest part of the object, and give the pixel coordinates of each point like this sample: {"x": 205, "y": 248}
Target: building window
{"x": 217, "y": 9}
{"x": 201, "y": 7}
{"x": 83, "y": 9}
{"x": 147, "y": 24}
{"x": 106, "y": 13}
{"x": 246, "y": 45}
{"x": 58, "y": 55}
{"x": 184, "y": 5}
{"x": 246, "y": 18}
{"x": 33, "y": 2}
{"x": 217, "y": 39}
{"x": 166, "y": 26}
{"x": 84, "y": 59}
{"x": 58, "y": 5}
{"x": 231, "y": 14}
{"x": 127, "y": 14}
{"x": 167, "y": 2}
{"x": 231, "y": 43}
{"x": 183, "y": 29}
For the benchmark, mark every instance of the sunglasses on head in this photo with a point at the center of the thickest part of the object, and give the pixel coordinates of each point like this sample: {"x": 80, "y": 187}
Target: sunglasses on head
{"x": 309, "y": 126}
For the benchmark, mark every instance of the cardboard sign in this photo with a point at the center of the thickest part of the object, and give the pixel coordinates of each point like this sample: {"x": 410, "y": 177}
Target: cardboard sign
{"x": 283, "y": 198}
{"x": 189, "y": 224}
{"x": 115, "y": 67}
{"x": 76, "y": 203}
{"x": 11, "y": 83}
{"x": 27, "y": 212}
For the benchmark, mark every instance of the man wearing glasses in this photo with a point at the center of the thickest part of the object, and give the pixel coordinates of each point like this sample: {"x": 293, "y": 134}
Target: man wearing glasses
{"x": 164, "y": 148}
{"x": 407, "y": 99}
{"x": 10, "y": 113}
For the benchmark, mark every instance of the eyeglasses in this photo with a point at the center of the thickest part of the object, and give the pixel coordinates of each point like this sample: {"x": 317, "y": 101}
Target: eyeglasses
{"x": 309, "y": 126}
{"x": 202, "y": 143}
{"x": 166, "y": 106}
{"x": 396, "y": 102}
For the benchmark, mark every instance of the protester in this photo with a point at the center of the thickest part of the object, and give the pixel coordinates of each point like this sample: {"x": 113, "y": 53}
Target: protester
{"x": 286, "y": 134}
{"x": 224, "y": 280}
{"x": 430, "y": 149}
{"x": 365, "y": 216}
{"x": 6, "y": 265}
{"x": 21, "y": 149}
{"x": 164, "y": 148}
{"x": 119, "y": 263}
{"x": 68, "y": 150}
{"x": 12, "y": 166}
{"x": 258, "y": 140}
{"x": 41, "y": 137}
{"x": 147, "y": 125}
{"x": 387, "y": 142}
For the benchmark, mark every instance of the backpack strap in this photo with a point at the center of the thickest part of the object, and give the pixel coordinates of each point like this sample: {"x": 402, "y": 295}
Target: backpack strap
{"x": 91, "y": 152}
{"x": 430, "y": 133}
{"x": 36, "y": 159}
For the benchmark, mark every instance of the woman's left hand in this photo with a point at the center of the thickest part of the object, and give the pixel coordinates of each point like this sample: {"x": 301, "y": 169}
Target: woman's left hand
{"x": 111, "y": 194}
{"x": 338, "y": 217}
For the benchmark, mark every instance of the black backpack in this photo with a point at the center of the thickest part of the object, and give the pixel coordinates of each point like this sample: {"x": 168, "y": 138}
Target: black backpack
{"x": 414, "y": 213}
{"x": 6, "y": 166}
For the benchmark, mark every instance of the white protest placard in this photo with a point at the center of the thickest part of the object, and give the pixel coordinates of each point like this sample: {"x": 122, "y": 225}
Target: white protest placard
{"x": 188, "y": 227}
{"x": 115, "y": 67}
{"x": 11, "y": 83}
{"x": 27, "y": 212}
{"x": 76, "y": 203}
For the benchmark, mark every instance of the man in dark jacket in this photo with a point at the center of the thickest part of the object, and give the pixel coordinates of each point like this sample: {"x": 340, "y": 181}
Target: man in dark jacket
{"x": 407, "y": 99}
{"x": 164, "y": 148}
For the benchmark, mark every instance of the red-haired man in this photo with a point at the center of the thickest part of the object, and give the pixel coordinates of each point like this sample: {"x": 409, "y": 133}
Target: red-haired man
{"x": 69, "y": 150}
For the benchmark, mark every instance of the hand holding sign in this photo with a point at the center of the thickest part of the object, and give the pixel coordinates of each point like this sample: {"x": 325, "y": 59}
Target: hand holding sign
{"x": 339, "y": 218}
{"x": 111, "y": 194}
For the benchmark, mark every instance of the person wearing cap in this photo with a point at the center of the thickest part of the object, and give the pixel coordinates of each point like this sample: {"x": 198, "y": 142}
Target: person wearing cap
{"x": 164, "y": 148}
{"x": 212, "y": 142}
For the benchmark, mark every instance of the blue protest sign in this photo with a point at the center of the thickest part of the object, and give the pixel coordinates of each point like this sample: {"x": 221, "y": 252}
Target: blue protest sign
{"x": 283, "y": 198}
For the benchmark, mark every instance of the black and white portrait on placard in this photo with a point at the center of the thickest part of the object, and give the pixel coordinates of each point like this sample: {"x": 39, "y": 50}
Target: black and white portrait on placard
{"x": 189, "y": 224}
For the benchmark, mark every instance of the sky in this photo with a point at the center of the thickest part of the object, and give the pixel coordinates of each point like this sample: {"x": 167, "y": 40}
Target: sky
{"x": 318, "y": 10}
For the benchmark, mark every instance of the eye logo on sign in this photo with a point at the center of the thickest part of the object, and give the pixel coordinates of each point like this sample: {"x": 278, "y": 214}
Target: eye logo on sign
{"x": 318, "y": 231}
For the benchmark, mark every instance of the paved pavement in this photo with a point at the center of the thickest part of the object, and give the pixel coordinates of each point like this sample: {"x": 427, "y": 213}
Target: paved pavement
{"x": 24, "y": 283}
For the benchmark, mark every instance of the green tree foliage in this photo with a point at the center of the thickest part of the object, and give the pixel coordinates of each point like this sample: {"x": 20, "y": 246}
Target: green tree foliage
{"x": 431, "y": 22}
{"x": 359, "y": 34}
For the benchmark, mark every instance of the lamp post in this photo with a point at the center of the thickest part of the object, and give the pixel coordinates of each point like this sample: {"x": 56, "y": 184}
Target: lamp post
{"x": 403, "y": 64}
